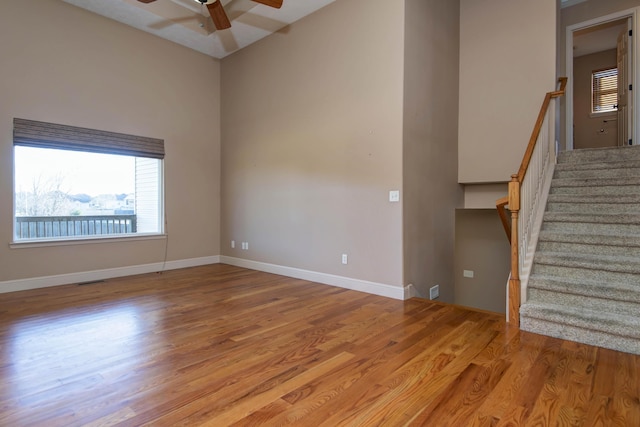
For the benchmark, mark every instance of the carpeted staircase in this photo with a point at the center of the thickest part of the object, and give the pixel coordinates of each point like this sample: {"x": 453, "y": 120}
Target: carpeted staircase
{"x": 585, "y": 281}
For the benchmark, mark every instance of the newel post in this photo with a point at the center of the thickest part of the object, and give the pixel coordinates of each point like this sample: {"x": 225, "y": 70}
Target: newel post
{"x": 514, "y": 281}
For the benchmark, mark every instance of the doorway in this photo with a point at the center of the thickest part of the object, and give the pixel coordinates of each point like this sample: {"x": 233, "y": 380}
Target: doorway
{"x": 601, "y": 66}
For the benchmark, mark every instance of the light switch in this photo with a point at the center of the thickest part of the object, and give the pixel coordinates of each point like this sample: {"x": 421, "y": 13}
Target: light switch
{"x": 394, "y": 196}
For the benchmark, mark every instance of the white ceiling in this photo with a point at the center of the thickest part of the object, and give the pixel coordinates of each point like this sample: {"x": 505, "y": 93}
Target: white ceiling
{"x": 597, "y": 39}
{"x": 187, "y": 23}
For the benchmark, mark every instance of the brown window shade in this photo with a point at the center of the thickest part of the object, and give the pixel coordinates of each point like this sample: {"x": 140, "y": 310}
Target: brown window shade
{"x": 604, "y": 90}
{"x": 32, "y": 133}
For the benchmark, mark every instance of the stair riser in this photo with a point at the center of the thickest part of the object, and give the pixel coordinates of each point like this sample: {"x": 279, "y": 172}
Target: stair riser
{"x": 608, "y": 290}
{"x": 597, "y": 173}
{"x": 594, "y": 208}
{"x": 584, "y": 274}
{"x": 602, "y": 199}
{"x": 591, "y": 228}
{"x": 615, "y": 323}
{"x": 589, "y": 303}
{"x": 585, "y": 248}
{"x": 590, "y": 239}
{"x": 587, "y": 336}
{"x": 607, "y": 190}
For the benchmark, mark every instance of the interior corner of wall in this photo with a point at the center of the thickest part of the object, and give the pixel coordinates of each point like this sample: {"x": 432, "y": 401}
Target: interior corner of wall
{"x": 483, "y": 196}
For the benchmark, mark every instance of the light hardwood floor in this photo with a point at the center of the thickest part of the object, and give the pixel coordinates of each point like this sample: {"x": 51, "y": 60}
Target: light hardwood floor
{"x": 221, "y": 345}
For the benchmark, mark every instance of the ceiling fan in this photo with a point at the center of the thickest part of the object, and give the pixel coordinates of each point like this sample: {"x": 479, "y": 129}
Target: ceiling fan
{"x": 219, "y": 16}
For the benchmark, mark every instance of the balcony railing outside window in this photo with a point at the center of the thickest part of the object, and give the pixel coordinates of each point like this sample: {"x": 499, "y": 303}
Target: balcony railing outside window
{"x": 40, "y": 227}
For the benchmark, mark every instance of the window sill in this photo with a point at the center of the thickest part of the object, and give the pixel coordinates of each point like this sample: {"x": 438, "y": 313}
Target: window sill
{"x": 83, "y": 241}
{"x": 603, "y": 114}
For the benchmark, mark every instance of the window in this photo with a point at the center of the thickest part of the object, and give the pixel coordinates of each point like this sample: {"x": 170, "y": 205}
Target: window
{"x": 604, "y": 90}
{"x": 76, "y": 183}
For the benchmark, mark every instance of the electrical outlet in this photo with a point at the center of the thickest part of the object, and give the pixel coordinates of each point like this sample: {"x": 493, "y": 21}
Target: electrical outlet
{"x": 394, "y": 196}
{"x": 245, "y": 246}
{"x": 233, "y": 244}
{"x": 434, "y": 292}
{"x": 345, "y": 259}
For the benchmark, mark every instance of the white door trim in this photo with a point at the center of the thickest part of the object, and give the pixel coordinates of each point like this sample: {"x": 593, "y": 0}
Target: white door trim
{"x": 635, "y": 15}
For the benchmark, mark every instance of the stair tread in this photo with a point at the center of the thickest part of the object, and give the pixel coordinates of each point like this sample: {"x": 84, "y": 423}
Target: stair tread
{"x": 585, "y": 280}
{"x": 596, "y": 181}
{"x": 588, "y": 257}
{"x": 600, "y": 262}
{"x": 622, "y": 291}
{"x": 586, "y": 166}
{"x": 610, "y": 154}
{"x": 599, "y": 239}
{"x": 594, "y": 208}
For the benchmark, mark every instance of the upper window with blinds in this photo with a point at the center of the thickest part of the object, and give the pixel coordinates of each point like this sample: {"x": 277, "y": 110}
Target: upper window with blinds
{"x": 604, "y": 90}
{"x": 76, "y": 183}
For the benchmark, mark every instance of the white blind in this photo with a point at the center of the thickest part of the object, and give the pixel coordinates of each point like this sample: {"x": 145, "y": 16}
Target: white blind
{"x": 604, "y": 90}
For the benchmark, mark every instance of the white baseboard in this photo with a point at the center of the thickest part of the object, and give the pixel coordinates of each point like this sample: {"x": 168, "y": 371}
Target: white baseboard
{"x": 89, "y": 276}
{"x": 381, "y": 289}
{"x": 410, "y": 291}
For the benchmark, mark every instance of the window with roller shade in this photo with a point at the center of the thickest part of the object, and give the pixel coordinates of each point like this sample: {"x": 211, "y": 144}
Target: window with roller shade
{"x": 604, "y": 90}
{"x": 78, "y": 183}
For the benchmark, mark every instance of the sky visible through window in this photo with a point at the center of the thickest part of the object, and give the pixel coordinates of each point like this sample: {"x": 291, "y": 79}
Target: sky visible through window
{"x": 75, "y": 172}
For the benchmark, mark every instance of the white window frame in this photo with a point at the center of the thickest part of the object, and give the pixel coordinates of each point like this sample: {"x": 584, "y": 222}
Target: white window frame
{"x": 47, "y": 135}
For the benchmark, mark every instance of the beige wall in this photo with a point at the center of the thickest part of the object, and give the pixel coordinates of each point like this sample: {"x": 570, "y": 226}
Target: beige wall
{"x": 481, "y": 247}
{"x": 431, "y": 191}
{"x": 65, "y": 65}
{"x": 312, "y": 131}
{"x": 507, "y": 64}
{"x": 317, "y": 125}
{"x": 591, "y": 132}
{"x": 484, "y": 196}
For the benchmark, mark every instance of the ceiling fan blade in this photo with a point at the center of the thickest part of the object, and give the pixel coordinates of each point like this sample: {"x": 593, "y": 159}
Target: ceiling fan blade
{"x": 146, "y": 1}
{"x": 273, "y": 3}
{"x": 219, "y": 16}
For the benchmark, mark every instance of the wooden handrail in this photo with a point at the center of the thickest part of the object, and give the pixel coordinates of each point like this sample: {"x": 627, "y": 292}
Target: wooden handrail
{"x": 538, "y": 127}
{"x": 513, "y": 201}
{"x": 502, "y": 211}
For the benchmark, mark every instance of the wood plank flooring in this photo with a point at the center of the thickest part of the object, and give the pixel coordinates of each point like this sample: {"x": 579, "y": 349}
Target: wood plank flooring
{"x": 220, "y": 345}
